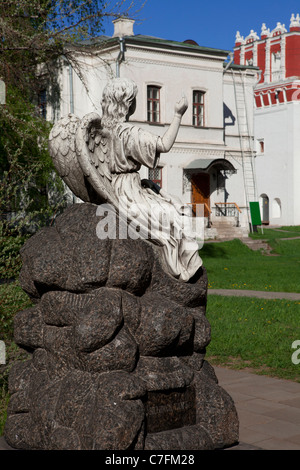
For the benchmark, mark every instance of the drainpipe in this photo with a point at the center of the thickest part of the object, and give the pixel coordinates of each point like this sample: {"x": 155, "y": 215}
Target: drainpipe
{"x": 121, "y": 56}
{"x": 224, "y": 71}
{"x": 229, "y": 63}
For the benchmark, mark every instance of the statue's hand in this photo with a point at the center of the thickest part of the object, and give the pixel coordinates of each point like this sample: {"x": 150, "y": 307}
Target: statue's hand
{"x": 181, "y": 106}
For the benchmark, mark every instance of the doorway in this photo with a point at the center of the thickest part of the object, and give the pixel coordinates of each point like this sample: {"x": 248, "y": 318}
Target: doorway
{"x": 265, "y": 209}
{"x": 201, "y": 191}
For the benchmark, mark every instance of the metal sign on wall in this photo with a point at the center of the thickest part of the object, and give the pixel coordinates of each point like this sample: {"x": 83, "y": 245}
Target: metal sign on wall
{"x": 2, "y": 92}
{"x": 255, "y": 213}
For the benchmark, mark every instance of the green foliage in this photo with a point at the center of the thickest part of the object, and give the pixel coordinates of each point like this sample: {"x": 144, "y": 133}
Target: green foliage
{"x": 10, "y": 260}
{"x": 4, "y": 399}
{"x": 23, "y": 137}
{"x": 30, "y": 191}
{"x": 12, "y": 300}
{"x": 35, "y": 32}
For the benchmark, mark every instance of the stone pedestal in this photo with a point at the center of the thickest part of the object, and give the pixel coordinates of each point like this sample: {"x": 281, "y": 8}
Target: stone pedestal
{"x": 117, "y": 349}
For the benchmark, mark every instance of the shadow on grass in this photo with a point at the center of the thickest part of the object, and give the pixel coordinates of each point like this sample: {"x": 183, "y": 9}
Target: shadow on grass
{"x": 213, "y": 250}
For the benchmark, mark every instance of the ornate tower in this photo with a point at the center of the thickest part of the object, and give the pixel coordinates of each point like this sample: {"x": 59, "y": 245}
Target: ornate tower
{"x": 277, "y": 54}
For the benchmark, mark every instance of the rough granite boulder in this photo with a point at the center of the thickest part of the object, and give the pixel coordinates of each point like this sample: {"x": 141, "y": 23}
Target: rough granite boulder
{"x": 117, "y": 348}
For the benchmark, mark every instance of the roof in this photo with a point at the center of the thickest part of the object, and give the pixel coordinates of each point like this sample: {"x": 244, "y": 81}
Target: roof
{"x": 207, "y": 164}
{"x": 242, "y": 67}
{"x": 188, "y": 45}
{"x": 152, "y": 41}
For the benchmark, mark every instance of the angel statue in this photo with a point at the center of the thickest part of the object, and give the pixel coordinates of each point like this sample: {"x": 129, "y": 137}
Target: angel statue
{"x": 99, "y": 158}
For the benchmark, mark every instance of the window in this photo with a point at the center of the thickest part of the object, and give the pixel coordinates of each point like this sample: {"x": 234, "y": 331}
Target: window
{"x": 276, "y": 63}
{"x": 261, "y": 146}
{"x": 42, "y": 103}
{"x": 153, "y": 103}
{"x": 155, "y": 175}
{"x": 198, "y": 108}
{"x": 276, "y": 208}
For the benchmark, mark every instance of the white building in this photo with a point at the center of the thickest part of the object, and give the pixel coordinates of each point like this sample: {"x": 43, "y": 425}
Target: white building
{"x": 277, "y": 118}
{"x": 212, "y": 159}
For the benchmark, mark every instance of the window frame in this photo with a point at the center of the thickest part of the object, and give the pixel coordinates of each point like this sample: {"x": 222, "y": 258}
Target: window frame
{"x": 151, "y": 111}
{"x": 42, "y": 103}
{"x": 199, "y": 106}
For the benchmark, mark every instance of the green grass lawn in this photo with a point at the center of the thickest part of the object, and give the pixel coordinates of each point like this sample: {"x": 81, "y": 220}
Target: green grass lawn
{"x": 282, "y": 232}
{"x": 249, "y": 332}
{"x": 232, "y": 265}
{"x": 254, "y": 333}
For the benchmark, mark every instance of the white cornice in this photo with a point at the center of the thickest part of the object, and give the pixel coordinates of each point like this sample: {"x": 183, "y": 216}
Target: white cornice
{"x": 175, "y": 53}
{"x": 144, "y": 60}
{"x": 219, "y": 153}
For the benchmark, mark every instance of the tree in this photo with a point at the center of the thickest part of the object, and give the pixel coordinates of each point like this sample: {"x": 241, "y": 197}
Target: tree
{"x": 26, "y": 176}
{"x": 34, "y": 35}
{"x": 36, "y": 32}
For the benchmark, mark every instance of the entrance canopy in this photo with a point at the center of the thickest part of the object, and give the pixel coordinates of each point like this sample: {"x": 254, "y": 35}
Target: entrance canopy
{"x": 206, "y": 164}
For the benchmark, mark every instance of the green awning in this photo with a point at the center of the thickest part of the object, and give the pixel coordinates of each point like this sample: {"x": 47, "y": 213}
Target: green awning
{"x": 206, "y": 164}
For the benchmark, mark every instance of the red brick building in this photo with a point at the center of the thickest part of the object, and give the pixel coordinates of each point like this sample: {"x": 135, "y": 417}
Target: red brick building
{"x": 276, "y": 117}
{"x": 277, "y": 54}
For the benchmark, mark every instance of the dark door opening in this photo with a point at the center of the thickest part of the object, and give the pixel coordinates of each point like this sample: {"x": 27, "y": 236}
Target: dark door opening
{"x": 201, "y": 192}
{"x": 265, "y": 209}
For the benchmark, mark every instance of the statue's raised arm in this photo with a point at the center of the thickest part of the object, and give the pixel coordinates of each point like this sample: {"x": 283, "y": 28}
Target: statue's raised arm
{"x": 168, "y": 139}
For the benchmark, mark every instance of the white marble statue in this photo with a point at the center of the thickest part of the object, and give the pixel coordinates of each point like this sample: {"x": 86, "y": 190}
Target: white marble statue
{"x": 99, "y": 158}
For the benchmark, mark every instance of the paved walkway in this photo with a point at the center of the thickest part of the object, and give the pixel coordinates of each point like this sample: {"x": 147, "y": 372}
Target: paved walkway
{"x": 268, "y": 410}
{"x": 254, "y": 293}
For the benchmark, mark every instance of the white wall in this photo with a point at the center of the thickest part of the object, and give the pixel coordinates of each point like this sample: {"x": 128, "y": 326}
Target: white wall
{"x": 296, "y": 163}
{"x": 278, "y": 168}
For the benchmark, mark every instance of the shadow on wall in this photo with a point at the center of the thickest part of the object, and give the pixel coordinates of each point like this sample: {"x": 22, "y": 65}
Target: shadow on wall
{"x": 229, "y": 118}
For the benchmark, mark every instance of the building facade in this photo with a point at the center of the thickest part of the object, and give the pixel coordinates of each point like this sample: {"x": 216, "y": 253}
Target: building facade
{"x": 212, "y": 160}
{"x": 277, "y": 118}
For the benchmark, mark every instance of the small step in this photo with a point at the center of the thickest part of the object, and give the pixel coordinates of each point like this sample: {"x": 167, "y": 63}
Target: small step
{"x": 257, "y": 245}
{"x": 224, "y": 231}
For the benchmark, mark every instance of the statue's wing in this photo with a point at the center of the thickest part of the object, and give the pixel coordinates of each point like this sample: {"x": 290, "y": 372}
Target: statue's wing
{"x": 93, "y": 147}
{"x": 63, "y": 153}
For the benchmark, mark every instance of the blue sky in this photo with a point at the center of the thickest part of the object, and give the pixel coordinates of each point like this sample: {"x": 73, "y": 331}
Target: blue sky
{"x": 211, "y": 23}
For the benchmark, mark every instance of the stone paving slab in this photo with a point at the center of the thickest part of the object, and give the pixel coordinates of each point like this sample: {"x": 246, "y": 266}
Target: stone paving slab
{"x": 268, "y": 409}
{"x": 4, "y": 445}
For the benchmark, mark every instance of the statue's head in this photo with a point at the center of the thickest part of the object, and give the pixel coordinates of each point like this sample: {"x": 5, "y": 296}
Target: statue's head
{"x": 118, "y": 100}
